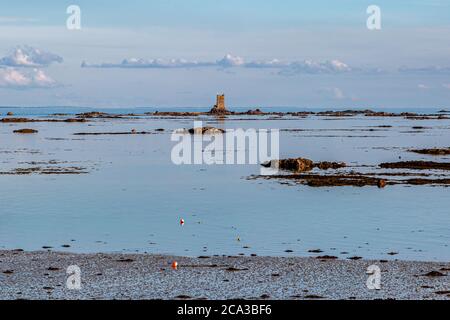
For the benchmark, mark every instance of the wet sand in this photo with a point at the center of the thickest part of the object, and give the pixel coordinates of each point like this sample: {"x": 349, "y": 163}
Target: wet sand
{"x": 42, "y": 275}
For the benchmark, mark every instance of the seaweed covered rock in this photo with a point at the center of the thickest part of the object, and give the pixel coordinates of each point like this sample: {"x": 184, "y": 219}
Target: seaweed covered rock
{"x": 25, "y": 131}
{"x": 206, "y": 130}
{"x": 303, "y": 164}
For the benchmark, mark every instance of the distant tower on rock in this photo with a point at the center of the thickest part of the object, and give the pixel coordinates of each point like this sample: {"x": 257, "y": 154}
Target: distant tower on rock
{"x": 220, "y": 105}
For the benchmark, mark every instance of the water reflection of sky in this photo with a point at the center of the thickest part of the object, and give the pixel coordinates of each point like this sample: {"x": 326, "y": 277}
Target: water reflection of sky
{"x": 133, "y": 197}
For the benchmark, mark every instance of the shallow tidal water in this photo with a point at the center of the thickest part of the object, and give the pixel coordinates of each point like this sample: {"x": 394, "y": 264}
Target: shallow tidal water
{"x": 133, "y": 196}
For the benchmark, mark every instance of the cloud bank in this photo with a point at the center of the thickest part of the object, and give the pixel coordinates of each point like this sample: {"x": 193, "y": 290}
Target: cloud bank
{"x": 425, "y": 70}
{"x": 230, "y": 61}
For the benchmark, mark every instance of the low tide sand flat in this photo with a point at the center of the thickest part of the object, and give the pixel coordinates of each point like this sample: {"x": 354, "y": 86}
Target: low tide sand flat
{"x": 42, "y": 275}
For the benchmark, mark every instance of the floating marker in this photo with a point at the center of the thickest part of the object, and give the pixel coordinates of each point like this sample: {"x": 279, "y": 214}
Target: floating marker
{"x": 181, "y": 222}
{"x": 175, "y": 265}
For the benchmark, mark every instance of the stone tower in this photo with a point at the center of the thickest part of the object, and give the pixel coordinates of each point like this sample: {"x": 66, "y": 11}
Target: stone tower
{"x": 220, "y": 105}
{"x": 220, "y": 102}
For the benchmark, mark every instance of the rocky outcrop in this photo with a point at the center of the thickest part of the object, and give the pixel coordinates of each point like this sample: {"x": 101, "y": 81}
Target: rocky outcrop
{"x": 206, "y": 130}
{"x": 433, "y": 152}
{"x": 218, "y": 111}
{"x": 14, "y": 120}
{"x": 417, "y": 165}
{"x": 325, "y": 165}
{"x": 256, "y": 112}
{"x": 303, "y": 165}
{"x": 24, "y": 120}
{"x": 25, "y": 131}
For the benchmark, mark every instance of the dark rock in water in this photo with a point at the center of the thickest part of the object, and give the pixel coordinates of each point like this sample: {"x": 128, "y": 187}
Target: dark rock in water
{"x": 315, "y": 251}
{"x": 8, "y": 272}
{"x": 417, "y": 165}
{"x": 326, "y": 257}
{"x": 206, "y": 130}
{"x": 355, "y": 258}
{"x": 132, "y": 132}
{"x": 10, "y": 113}
{"x": 25, "y": 131}
{"x": 255, "y": 112}
{"x": 325, "y": 165}
{"x": 14, "y": 120}
{"x": 299, "y": 164}
{"x": 75, "y": 120}
{"x": 92, "y": 114}
{"x": 24, "y": 120}
{"x": 433, "y": 152}
{"x": 303, "y": 164}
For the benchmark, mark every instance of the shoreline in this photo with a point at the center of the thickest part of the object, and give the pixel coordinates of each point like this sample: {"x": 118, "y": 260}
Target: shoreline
{"x": 42, "y": 275}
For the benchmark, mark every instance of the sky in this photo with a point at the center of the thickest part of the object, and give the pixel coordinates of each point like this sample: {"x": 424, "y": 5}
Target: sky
{"x": 173, "y": 53}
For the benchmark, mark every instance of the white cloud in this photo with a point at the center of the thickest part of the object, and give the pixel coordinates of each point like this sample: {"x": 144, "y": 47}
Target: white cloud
{"x": 148, "y": 63}
{"x": 313, "y": 67}
{"x": 21, "y": 79}
{"x": 423, "y": 86}
{"x": 26, "y": 56}
{"x": 230, "y": 61}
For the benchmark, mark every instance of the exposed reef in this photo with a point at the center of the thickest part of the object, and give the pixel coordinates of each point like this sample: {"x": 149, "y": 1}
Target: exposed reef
{"x": 416, "y": 165}
{"x": 25, "y": 131}
{"x": 432, "y": 152}
{"x": 25, "y": 120}
{"x": 302, "y": 164}
{"x": 356, "y": 179}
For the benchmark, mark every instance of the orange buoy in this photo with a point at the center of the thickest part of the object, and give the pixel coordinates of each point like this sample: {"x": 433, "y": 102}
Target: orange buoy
{"x": 181, "y": 222}
{"x": 175, "y": 265}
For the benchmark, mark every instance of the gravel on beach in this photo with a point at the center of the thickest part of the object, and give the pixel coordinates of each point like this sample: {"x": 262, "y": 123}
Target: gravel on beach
{"x": 43, "y": 275}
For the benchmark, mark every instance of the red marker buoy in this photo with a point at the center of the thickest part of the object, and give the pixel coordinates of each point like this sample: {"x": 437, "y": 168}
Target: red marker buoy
{"x": 181, "y": 222}
{"x": 175, "y": 265}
